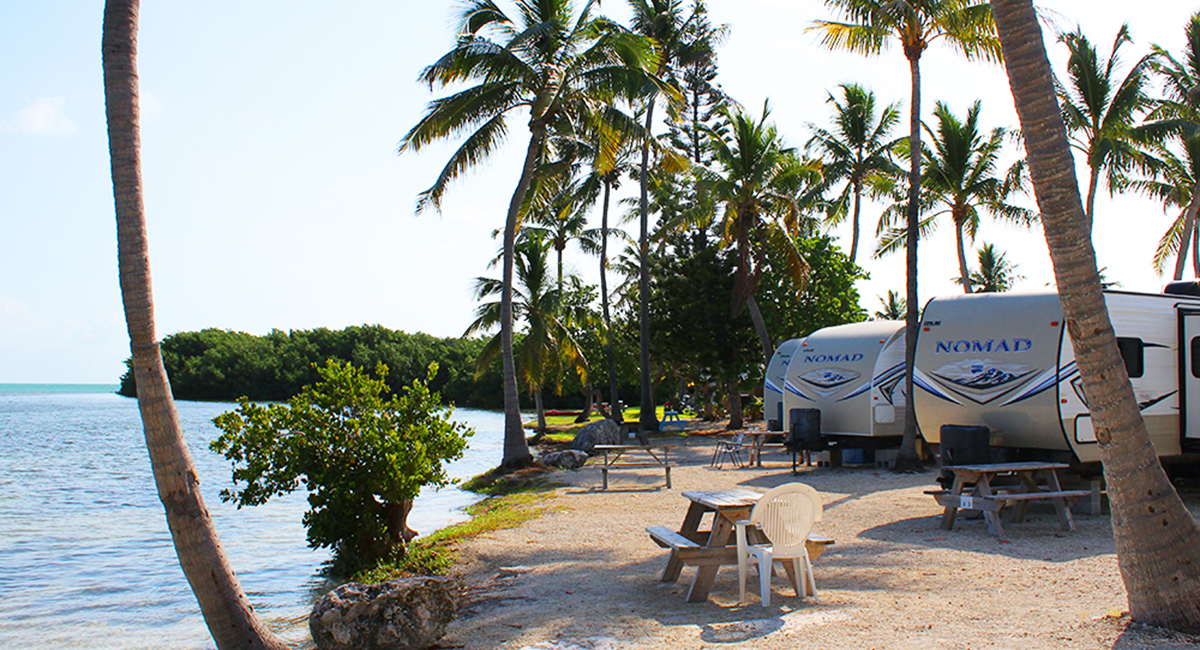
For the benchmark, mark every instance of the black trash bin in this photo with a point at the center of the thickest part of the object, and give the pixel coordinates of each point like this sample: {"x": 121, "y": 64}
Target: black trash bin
{"x": 804, "y": 433}
{"x": 963, "y": 445}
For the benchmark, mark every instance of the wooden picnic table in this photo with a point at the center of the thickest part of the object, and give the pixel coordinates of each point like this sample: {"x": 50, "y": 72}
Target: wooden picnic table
{"x": 974, "y": 489}
{"x": 658, "y": 456}
{"x": 709, "y": 550}
{"x": 760, "y": 440}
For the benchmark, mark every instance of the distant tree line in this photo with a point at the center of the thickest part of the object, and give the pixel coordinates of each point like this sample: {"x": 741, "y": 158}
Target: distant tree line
{"x": 222, "y": 365}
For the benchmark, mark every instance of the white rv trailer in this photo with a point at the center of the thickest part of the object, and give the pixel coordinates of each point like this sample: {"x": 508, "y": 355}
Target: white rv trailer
{"x": 854, "y": 374}
{"x": 1004, "y": 360}
{"x": 773, "y": 384}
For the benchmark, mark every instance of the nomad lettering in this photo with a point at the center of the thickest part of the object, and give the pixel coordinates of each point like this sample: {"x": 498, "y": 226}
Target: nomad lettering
{"x": 832, "y": 358}
{"x": 991, "y": 345}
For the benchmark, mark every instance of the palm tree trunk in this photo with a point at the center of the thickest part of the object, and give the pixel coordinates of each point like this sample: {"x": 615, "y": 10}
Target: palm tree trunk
{"x": 1196, "y": 253}
{"x": 541, "y": 410}
{"x": 964, "y": 274}
{"x": 1093, "y": 183}
{"x": 1189, "y": 227}
{"x": 854, "y": 221}
{"x": 1157, "y": 540}
{"x": 614, "y": 400}
{"x": 735, "y": 406}
{"x": 647, "y": 418}
{"x": 230, "y": 618}
{"x": 908, "y": 460}
{"x": 760, "y": 326}
{"x": 516, "y": 449}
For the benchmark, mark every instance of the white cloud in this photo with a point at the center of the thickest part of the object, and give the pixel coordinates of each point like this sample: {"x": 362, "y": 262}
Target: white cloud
{"x": 42, "y": 116}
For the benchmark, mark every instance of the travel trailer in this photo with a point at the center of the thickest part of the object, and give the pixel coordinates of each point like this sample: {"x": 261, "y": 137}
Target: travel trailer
{"x": 773, "y": 384}
{"x": 1004, "y": 360}
{"x": 854, "y": 374}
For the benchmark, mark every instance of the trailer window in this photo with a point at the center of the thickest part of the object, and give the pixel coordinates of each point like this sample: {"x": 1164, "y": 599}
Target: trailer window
{"x": 1195, "y": 356}
{"x": 1131, "y": 352}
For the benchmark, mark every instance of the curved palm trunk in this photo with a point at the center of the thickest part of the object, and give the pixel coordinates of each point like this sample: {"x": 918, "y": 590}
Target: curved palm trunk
{"x": 647, "y": 418}
{"x": 614, "y": 400}
{"x": 516, "y": 449}
{"x": 1189, "y": 229}
{"x": 760, "y": 326}
{"x": 1157, "y": 540}
{"x": 1089, "y": 211}
{"x": 230, "y": 619}
{"x": 908, "y": 458}
{"x": 964, "y": 274}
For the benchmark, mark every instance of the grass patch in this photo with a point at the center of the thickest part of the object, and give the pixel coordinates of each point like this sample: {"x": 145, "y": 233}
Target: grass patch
{"x": 516, "y": 497}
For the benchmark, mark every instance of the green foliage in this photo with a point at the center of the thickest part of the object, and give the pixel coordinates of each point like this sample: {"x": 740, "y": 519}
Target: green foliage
{"x": 829, "y": 298}
{"x": 691, "y": 322}
{"x": 363, "y": 456}
{"x": 222, "y": 365}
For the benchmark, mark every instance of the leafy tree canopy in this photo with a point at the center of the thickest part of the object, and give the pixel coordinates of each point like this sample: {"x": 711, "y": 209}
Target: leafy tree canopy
{"x": 362, "y": 453}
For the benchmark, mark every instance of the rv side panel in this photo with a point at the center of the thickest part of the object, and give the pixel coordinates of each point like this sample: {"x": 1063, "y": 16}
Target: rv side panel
{"x": 992, "y": 359}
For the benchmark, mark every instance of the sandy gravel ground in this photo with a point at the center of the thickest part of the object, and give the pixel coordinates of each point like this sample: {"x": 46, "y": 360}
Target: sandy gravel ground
{"x": 587, "y": 576}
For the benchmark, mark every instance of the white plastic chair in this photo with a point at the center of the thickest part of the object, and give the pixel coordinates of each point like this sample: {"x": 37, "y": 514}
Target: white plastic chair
{"x": 784, "y": 515}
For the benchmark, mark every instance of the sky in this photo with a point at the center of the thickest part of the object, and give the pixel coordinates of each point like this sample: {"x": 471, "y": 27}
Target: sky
{"x": 276, "y": 199}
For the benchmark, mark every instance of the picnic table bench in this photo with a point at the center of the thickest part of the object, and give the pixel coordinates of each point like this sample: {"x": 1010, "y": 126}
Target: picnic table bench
{"x": 973, "y": 490}
{"x": 655, "y": 456}
{"x": 709, "y": 550}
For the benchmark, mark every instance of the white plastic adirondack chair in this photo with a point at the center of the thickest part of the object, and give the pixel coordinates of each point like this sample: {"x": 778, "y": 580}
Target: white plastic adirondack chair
{"x": 785, "y": 515}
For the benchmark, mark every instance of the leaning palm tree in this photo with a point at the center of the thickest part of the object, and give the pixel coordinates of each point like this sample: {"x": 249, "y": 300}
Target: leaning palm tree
{"x": 230, "y": 618}
{"x": 755, "y": 181}
{"x": 564, "y": 68}
{"x": 858, "y": 147}
{"x": 1157, "y": 539}
{"x": 967, "y": 26}
{"x": 547, "y": 347}
{"x": 960, "y": 180}
{"x": 1175, "y": 120}
{"x": 1099, "y": 110}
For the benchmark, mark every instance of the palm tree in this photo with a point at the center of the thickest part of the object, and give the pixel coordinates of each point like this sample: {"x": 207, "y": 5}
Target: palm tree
{"x": 756, "y": 181}
{"x": 1157, "y": 539}
{"x": 858, "y": 146}
{"x": 663, "y": 22}
{"x": 607, "y": 173}
{"x": 230, "y": 618}
{"x": 564, "y": 68}
{"x": 1177, "y": 118}
{"x": 547, "y": 347}
{"x": 995, "y": 273}
{"x": 960, "y": 179}
{"x": 562, "y": 218}
{"x": 1100, "y": 110}
{"x": 967, "y": 26}
{"x": 893, "y": 307}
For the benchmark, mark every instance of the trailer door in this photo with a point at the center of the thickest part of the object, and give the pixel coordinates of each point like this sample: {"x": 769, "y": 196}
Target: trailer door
{"x": 1189, "y": 371}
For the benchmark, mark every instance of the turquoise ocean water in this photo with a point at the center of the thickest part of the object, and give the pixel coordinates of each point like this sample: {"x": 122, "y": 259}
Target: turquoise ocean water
{"x": 86, "y": 560}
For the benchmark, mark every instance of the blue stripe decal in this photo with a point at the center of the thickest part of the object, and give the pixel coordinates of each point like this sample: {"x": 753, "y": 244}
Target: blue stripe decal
{"x": 771, "y": 385}
{"x": 921, "y": 380}
{"x": 866, "y": 386}
{"x": 791, "y": 388}
{"x": 1046, "y": 381}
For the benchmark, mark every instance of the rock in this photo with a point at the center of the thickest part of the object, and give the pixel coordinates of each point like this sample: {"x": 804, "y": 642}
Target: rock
{"x": 600, "y": 432}
{"x": 406, "y": 614}
{"x": 566, "y": 459}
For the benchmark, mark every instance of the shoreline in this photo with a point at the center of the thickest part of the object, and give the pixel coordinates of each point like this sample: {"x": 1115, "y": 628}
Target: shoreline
{"x": 586, "y": 576}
